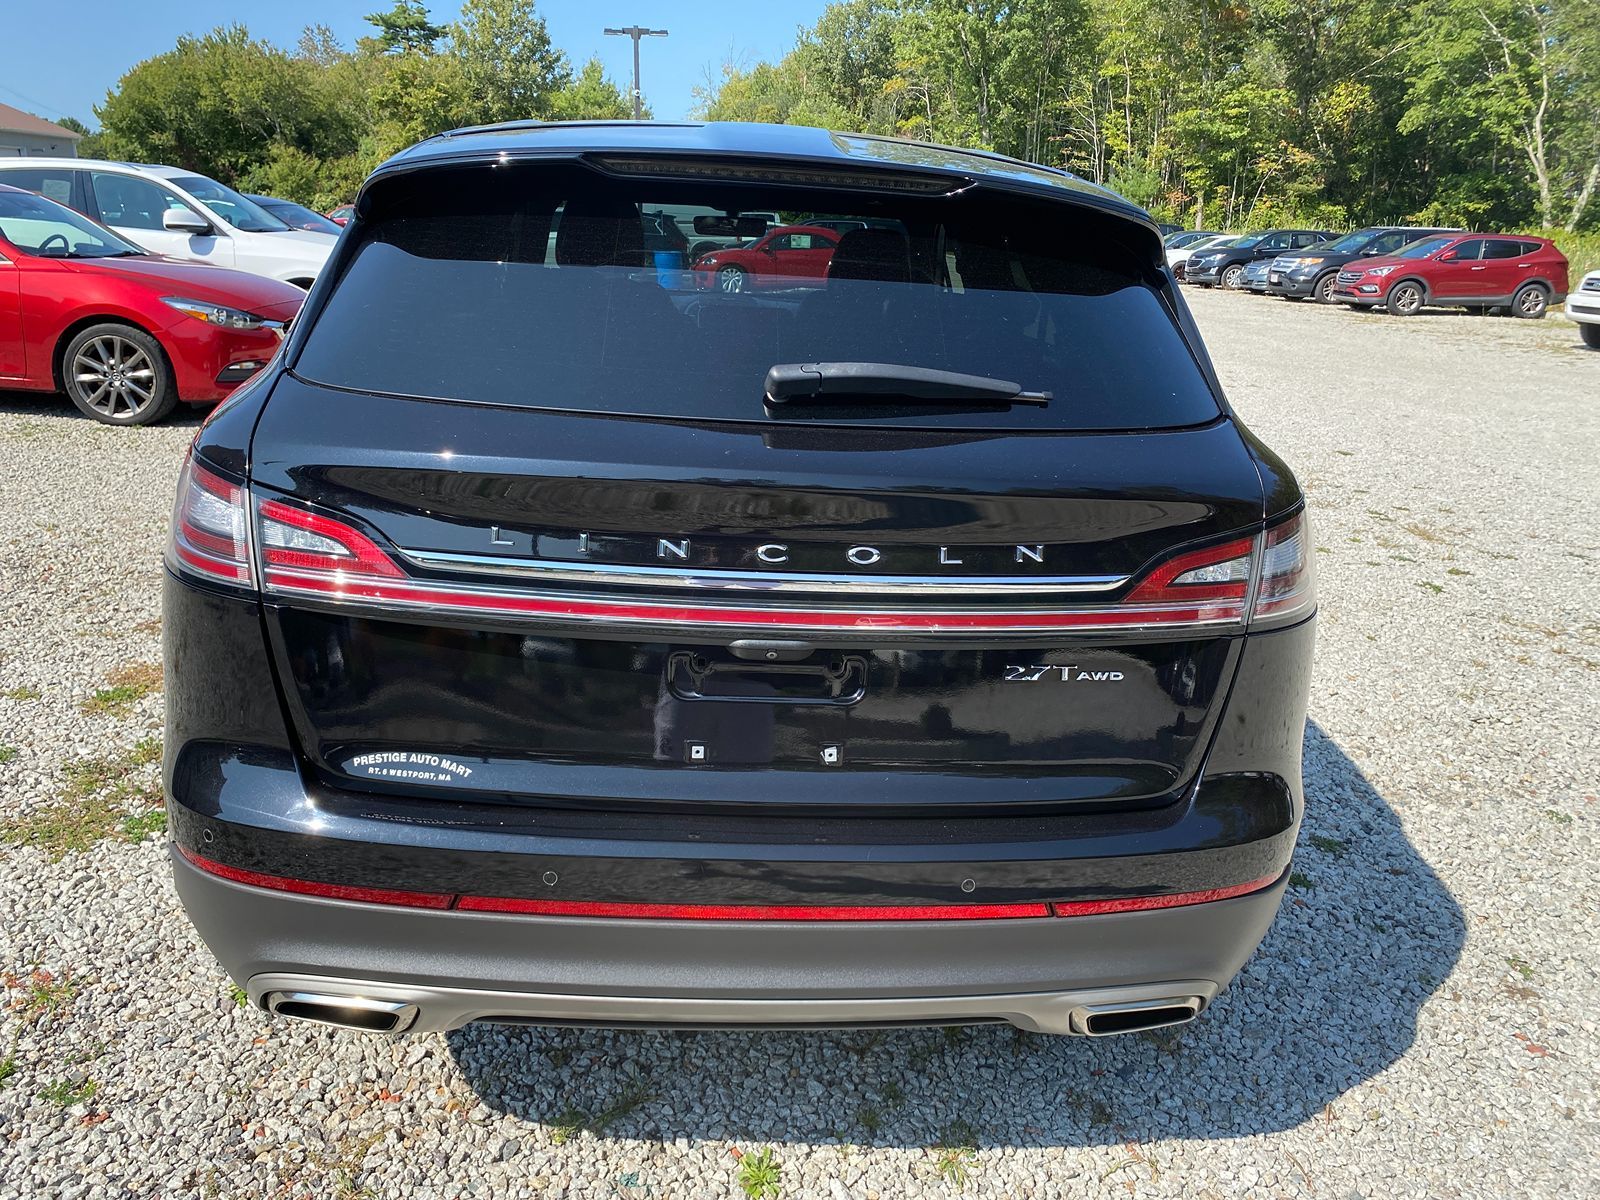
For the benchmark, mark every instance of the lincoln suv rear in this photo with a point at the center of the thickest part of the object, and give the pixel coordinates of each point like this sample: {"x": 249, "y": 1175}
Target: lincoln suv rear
{"x": 919, "y": 639}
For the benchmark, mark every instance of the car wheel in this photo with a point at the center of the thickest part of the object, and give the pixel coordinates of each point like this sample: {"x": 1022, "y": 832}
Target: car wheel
{"x": 1591, "y": 336}
{"x": 1231, "y": 276}
{"x": 1530, "y": 302}
{"x": 1322, "y": 289}
{"x": 730, "y": 280}
{"x": 118, "y": 375}
{"x": 1405, "y": 299}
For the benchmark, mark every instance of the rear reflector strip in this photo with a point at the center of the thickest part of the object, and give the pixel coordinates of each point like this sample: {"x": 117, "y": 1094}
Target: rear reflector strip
{"x": 331, "y": 891}
{"x": 722, "y": 912}
{"x": 756, "y": 912}
{"x": 1095, "y": 908}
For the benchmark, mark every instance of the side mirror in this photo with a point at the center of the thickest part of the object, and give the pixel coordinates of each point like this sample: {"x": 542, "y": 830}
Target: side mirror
{"x": 1449, "y": 256}
{"x": 182, "y": 220}
{"x": 1371, "y": 252}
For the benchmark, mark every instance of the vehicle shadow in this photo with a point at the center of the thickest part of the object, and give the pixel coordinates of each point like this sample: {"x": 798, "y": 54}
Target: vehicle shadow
{"x": 1366, "y": 935}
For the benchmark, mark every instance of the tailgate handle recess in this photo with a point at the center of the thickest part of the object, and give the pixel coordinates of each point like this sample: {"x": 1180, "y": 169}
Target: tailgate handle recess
{"x": 837, "y": 679}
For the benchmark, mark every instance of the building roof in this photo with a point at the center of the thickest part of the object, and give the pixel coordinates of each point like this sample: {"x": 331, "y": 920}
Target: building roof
{"x": 14, "y": 120}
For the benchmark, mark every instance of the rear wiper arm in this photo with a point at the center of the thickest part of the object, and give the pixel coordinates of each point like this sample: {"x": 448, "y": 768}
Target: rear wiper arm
{"x": 886, "y": 383}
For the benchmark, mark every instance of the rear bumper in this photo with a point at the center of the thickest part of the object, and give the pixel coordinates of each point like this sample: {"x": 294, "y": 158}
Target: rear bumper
{"x": 241, "y": 796}
{"x": 457, "y": 967}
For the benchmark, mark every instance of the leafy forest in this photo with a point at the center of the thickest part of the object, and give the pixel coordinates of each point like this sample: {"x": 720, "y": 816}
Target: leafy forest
{"x": 1227, "y": 113}
{"x": 1215, "y": 113}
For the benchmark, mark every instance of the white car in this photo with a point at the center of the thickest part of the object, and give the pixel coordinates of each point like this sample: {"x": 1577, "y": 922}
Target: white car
{"x": 1179, "y": 256}
{"x": 178, "y": 214}
{"x": 1583, "y": 306}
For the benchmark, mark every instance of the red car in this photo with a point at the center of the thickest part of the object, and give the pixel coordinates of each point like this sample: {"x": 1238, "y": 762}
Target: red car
{"x": 788, "y": 255}
{"x": 1460, "y": 270}
{"x": 125, "y": 334}
{"x": 342, "y": 214}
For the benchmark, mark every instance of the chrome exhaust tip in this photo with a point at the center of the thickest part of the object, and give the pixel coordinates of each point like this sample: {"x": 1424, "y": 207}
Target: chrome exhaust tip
{"x": 342, "y": 1012}
{"x": 1105, "y": 1020}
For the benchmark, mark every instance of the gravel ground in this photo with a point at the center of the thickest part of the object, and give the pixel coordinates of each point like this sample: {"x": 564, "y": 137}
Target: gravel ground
{"x": 1416, "y": 1024}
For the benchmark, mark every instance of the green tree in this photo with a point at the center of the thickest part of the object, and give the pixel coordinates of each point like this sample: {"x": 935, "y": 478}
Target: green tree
{"x": 510, "y": 69}
{"x": 590, "y": 96}
{"x": 214, "y": 104}
{"x": 406, "y": 29}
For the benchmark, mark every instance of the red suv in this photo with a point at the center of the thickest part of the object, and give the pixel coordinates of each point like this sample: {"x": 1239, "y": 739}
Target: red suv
{"x": 1460, "y": 270}
{"x": 790, "y": 256}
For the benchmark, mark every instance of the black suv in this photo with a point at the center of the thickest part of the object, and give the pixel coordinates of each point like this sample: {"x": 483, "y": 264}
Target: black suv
{"x": 920, "y": 639}
{"x": 1314, "y": 272}
{"x": 1225, "y": 265}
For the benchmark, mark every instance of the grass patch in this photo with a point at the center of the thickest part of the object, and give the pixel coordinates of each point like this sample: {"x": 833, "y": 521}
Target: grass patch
{"x": 7, "y": 753}
{"x": 127, "y": 686}
{"x": 1298, "y": 879}
{"x": 1456, "y": 571}
{"x": 760, "y": 1174}
{"x": 102, "y": 799}
{"x": 1521, "y": 966}
{"x": 1329, "y": 845}
{"x": 42, "y": 993}
{"x": 239, "y": 995}
{"x": 22, "y": 693}
{"x": 1559, "y": 817}
{"x": 573, "y": 1120}
{"x": 955, "y": 1155}
{"x": 1432, "y": 587}
{"x": 67, "y": 1092}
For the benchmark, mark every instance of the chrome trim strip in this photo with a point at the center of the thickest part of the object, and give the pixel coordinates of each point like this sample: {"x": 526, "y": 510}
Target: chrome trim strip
{"x": 613, "y": 611}
{"x": 549, "y": 571}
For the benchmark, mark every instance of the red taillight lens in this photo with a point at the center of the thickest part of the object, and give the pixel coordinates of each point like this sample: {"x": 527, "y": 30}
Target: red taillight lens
{"x": 1215, "y": 583}
{"x": 1288, "y": 586}
{"x": 295, "y": 540}
{"x": 210, "y": 535}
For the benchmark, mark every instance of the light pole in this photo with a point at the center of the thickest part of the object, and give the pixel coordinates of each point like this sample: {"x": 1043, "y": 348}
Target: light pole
{"x": 636, "y": 32}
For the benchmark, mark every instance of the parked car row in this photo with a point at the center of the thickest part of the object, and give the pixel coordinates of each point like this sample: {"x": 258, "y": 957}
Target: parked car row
{"x": 1402, "y": 269}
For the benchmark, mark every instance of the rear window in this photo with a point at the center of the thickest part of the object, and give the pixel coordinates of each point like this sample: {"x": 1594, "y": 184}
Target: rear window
{"x": 558, "y": 287}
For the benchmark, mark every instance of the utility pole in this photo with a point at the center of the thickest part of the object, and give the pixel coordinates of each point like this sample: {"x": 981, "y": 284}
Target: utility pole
{"x": 636, "y": 32}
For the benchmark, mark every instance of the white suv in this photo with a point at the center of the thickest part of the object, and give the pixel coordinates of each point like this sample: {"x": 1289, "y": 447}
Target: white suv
{"x": 1583, "y": 306}
{"x": 176, "y": 213}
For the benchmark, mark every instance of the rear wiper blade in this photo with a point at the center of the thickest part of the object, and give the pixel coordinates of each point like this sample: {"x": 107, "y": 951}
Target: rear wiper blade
{"x": 886, "y": 383}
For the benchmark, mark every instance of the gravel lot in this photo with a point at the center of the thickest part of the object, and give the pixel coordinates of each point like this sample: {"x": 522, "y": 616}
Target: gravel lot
{"x": 1416, "y": 1024}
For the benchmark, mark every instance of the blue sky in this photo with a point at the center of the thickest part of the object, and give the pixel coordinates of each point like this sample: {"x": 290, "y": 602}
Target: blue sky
{"x": 58, "y": 61}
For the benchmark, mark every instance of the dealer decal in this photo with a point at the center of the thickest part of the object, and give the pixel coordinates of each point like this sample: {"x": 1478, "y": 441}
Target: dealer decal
{"x": 408, "y": 766}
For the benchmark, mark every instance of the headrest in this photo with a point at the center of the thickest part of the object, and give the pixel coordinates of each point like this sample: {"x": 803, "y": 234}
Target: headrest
{"x": 600, "y": 233}
{"x": 883, "y": 255}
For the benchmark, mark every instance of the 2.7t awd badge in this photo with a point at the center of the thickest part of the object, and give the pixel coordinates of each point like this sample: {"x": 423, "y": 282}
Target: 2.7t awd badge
{"x": 1065, "y": 674}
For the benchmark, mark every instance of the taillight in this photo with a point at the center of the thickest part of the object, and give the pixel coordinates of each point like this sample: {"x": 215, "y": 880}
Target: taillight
{"x": 1287, "y": 589}
{"x": 210, "y": 535}
{"x": 1216, "y": 582}
{"x": 1213, "y": 584}
{"x": 294, "y": 540}
{"x": 313, "y": 554}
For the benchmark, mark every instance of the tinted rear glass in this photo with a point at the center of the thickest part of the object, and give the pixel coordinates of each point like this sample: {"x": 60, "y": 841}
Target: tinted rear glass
{"x": 554, "y": 286}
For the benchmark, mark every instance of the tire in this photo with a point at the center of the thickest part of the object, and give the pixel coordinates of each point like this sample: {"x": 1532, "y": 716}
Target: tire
{"x": 1405, "y": 299}
{"x": 1531, "y": 302}
{"x": 1231, "y": 274}
{"x": 1591, "y": 336}
{"x": 731, "y": 280}
{"x": 118, "y": 375}
{"x": 1322, "y": 289}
